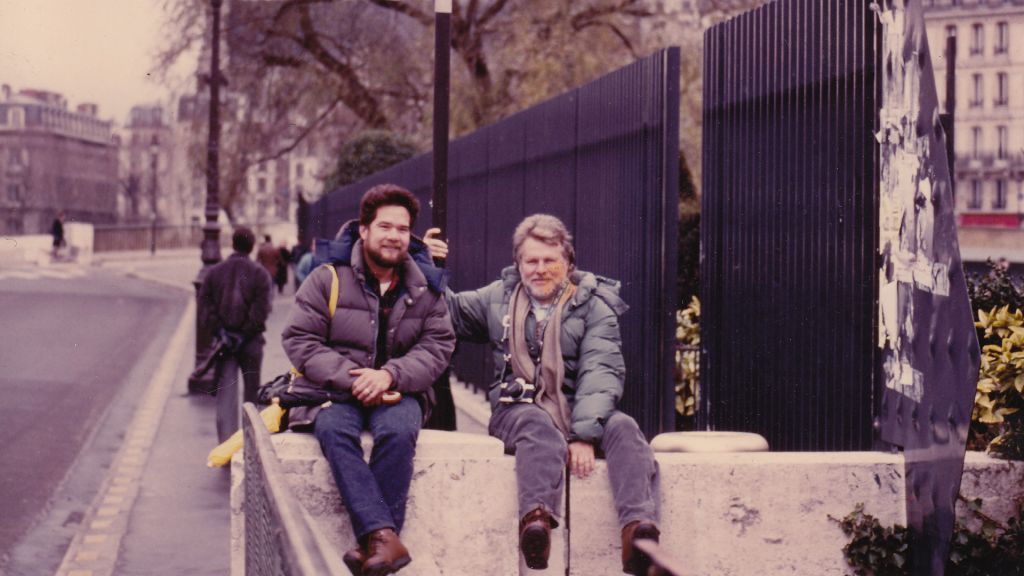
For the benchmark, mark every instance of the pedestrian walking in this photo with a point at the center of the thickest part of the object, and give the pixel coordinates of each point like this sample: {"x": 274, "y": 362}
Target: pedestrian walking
{"x": 269, "y": 256}
{"x": 390, "y": 333}
{"x": 234, "y": 302}
{"x": 559, "y": 373}
{"x": 57, "y": 231}
{"x": 284, "y": 260}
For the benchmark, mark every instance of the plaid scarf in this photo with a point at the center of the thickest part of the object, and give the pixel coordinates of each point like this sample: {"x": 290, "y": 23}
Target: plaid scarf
{"x": 550, "y": 373}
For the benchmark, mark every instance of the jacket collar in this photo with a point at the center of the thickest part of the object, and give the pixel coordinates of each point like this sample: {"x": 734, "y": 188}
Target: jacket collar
{"x": 347, "y": 250}
{"x": 588, "y": 285}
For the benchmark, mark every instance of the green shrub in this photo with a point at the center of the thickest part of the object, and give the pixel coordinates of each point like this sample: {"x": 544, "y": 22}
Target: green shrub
{"x": 993, "y": 549}
{"x": 1000, "y": 395}
{"x": 687, "y": 365}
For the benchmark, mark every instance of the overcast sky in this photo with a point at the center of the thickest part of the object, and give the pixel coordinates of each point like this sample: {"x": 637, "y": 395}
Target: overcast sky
{"x": 96, "y": 51}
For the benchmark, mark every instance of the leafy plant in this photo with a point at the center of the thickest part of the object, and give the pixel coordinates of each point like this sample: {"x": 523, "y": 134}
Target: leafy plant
{"x": 995, "y": 289}
{"x": 993, "y": 548}
{"x": 687, "y": 368}
{"x": 1000, "y": 394}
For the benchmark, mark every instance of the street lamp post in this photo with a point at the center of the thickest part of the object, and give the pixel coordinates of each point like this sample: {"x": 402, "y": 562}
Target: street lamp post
{"x": 211, "y": 229}
{"x": 154, "y": 163}
{"x": 443, "y": 415}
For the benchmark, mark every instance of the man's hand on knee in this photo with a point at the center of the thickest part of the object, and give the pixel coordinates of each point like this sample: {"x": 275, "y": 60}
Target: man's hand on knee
{"x": 581, "y": 458}
{"x": 370, "y": 385}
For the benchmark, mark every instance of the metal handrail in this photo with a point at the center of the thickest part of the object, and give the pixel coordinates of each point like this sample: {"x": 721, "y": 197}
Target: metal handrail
{"x": 279, "y": 537}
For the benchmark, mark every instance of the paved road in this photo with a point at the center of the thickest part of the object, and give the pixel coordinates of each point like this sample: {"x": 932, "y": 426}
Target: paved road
{"x": 80, "y": 345}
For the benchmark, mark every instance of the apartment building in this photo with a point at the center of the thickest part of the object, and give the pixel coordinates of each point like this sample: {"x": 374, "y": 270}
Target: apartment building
{"x": 989, "y": 114}
{"x": 54, "y": 159}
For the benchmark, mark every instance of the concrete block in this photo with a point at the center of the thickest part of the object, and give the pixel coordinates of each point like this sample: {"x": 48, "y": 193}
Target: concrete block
{"x": 461, "y": 517}
{"x": 742, "y": 513}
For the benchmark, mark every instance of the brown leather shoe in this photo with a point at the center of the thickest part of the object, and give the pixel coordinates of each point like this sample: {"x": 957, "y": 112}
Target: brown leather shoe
{"x": 354, "y": 559}
{"x": 535, "y": 538}
{"x": 386, "y": 554}
{"x": 634, "y": 561}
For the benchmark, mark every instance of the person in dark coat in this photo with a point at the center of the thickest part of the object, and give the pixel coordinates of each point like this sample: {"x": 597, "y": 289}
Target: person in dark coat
{"x": 269, "y": 256}
{"x": 285, "y": 257}
{"x": 234, "y": 302}
{"x": 57, "y": 231}
{"x": 390, "y": 333}
{"x": 559, "y": 374}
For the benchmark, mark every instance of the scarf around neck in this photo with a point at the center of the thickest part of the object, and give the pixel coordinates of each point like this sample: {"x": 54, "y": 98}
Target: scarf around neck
{"x": 549, "y": 374}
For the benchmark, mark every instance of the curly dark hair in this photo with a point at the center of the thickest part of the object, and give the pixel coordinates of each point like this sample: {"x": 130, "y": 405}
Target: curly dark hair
{"x": 387, "y": 195}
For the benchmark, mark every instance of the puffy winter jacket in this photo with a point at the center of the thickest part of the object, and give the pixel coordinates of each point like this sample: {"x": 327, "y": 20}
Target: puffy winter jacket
{"x": 590, "y": 340}
{"x": 420, "y": 340}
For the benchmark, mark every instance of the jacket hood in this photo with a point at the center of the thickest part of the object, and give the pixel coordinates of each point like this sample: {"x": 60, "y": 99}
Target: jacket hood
{"x": 339, "y": 251}
{"x": 588, "y": 285}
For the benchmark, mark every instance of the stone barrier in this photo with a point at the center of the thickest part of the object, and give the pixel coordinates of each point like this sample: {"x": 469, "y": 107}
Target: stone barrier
{"x": 727, "y": 514}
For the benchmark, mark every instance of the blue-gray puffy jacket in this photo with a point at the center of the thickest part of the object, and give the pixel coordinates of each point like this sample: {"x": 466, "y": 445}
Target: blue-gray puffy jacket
{"x": 591, "y": 343}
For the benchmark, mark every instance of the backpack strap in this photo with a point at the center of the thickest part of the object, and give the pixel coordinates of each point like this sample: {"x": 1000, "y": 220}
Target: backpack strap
{"x": 332, "y": 304}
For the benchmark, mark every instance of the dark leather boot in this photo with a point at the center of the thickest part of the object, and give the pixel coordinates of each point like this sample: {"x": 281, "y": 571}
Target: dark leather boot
{"x": 354, "y": 559}
{"x": 535, "y": 538}
{"x": 386, "y": 554}
{"x": 634, "y": 561}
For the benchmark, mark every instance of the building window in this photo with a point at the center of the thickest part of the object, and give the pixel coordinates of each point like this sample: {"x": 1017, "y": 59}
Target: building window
{"x": 1004, "y": 137}
{"x": 1002, "y": 89}
{"x": 14, "y": 192}
{"x": 977, "y": 91}
{"x": 298, "y": 170}
{"x": 974, "y": 202}
{"x": 261, "y": 184}
{"x": 1002, "y": 38}
{"x": 977, "y": 39}
{"x": 976, "y": 142}
{"x": 999, "y": 202}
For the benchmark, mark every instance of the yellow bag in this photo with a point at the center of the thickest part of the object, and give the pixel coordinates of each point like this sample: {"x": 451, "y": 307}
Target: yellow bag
{"x": 221, "y": 455}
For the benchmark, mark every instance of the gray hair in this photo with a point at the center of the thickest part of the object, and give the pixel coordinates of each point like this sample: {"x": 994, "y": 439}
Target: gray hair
{"x": 547, "y": 229}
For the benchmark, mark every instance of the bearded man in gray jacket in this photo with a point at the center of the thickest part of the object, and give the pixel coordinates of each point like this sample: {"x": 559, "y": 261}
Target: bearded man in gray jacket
{"x": 554, "y": 331}
{"x": 375, "y": 360}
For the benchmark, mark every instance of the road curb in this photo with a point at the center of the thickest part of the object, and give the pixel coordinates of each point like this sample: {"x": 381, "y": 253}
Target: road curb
{"x": 94, "y": 549}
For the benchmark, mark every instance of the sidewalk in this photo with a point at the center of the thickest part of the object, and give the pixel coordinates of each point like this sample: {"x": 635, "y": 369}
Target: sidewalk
{"x": 161, "y": 511}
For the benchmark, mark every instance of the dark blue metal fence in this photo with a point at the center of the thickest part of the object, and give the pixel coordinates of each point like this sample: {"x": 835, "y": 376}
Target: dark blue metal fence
{"x": 835, "y": 313}
{"x": 604, "y": 159}
{"x": 789, "y": 220}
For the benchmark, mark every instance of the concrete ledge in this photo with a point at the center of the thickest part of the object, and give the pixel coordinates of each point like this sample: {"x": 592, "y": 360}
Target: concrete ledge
{"x": 767, "y": 513}
{"x": 727, "y": 514}
{"x": 461, "y": 516}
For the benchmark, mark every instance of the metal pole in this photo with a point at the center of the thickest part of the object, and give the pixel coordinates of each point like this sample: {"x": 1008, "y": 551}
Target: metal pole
{"x": 442, "y": 55}
{"x": 949, "y": 123}
{"x": 211, "y": 229}
{"x": 443, "y": 415}
{"x": 154, "y": 151}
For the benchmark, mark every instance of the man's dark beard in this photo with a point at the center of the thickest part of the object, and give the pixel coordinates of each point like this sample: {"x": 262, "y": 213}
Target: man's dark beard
{"x": 379, "y": 261}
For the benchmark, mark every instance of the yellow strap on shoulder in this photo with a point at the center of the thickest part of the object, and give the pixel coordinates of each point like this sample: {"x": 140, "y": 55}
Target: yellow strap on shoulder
{"x": 332, "y": 304}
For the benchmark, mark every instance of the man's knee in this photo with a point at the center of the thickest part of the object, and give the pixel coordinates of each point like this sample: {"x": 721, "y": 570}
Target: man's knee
{"x": 621, "y": 426}
{"x": 332, "y": 427}
{"x": 533, "y": 423}
{"x": 400, "y": 423}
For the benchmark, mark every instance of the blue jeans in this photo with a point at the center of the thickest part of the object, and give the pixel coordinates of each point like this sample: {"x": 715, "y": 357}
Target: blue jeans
{"x": 374, "y": 494}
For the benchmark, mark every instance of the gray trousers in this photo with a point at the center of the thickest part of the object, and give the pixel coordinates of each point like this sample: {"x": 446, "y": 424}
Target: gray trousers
{"x": 541, "y": 453}
{"x": 231, "y": 395}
